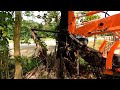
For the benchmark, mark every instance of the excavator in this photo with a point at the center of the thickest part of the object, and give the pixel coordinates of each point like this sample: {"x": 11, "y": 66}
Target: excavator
{"x": 72, "y": 44}
{"x": 105, "y": 25}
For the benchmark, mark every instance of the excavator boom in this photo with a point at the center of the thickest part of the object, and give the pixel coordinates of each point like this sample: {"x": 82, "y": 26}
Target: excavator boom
{"x": 105, "y": 25}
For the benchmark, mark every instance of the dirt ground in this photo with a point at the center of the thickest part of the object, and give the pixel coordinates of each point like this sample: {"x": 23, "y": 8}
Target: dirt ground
{"x": 29, "y": 49}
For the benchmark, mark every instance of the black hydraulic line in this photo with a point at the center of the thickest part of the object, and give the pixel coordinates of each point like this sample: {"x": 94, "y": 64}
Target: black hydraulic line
{"x": 45, "y": 31}
{"x": 106, "y": 14}
{"x": 58, "y": 32}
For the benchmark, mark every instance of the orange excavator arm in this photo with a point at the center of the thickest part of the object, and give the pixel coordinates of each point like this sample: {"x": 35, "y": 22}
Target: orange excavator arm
{"x": 72, "y": 20}
{"x": 105, "y": 25}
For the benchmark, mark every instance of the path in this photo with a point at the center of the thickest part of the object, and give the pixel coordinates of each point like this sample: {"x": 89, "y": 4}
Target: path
{"x": 28, "y": 49}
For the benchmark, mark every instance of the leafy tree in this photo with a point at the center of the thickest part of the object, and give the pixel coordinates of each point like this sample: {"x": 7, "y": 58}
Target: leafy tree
{"x": 6, "y": 19}
{"x": 6, "y": 22}
{"x": 51, "y": 20}
{"x": 26, "y": 29}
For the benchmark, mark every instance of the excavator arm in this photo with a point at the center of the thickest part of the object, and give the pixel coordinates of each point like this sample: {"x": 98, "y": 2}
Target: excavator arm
{"x": 72, "y": 20}
{"x": 101, "y": 26}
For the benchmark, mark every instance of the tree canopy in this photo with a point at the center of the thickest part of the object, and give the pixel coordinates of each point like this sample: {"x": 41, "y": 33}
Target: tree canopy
{"x": 50, "y": 21}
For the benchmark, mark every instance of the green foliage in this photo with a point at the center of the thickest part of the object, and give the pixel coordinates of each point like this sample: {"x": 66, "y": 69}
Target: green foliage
{"x": 27, "y": 63}
{"x": 82, "y": 61}
{"x": 10, "y": 32}
{"x": 30, "y": 64}
{"x": 51, "y": 20}
{"x": 6, "y": 19}
{"x": 1, "y": 28}
{"x": 28, "y": 13}
{"x": 43, "y": 44}
{"x": 109, "y": 34}
{"x": 89, "y": 18}
{"x": 4, "y": 58}
{"x": 26, "y": 29}
{"x": 3, "y": 44}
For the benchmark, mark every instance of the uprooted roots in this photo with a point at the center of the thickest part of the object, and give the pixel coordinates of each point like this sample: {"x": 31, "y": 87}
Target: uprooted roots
{"x": 53, "y": 70}
{"x": 66, "y": 66}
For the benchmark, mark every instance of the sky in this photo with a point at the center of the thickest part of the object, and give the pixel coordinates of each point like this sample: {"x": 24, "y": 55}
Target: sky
{"x": 34, "y": 19}
{"x": 102, "y": 15}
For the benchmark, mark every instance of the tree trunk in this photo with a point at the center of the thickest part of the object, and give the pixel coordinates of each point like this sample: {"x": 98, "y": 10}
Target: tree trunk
{"x": 61, "y": 41}
{"x": 16, "y": 38}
